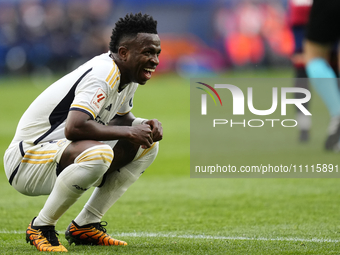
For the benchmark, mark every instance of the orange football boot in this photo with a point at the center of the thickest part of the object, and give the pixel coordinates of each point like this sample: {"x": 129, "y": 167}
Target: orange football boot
{"x": 44, "y": 238}
{"x": 90, "y": 234}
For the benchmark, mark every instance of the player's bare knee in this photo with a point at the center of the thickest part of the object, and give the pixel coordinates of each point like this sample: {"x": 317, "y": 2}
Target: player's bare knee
{"x": 142, "y": 161}
{"x": 124, "y": 153}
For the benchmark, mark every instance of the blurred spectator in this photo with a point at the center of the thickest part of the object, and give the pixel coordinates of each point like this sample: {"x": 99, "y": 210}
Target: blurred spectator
{"x": 254, "y": 32}
{"x": 197, "y": 38}
{"x": 53, "y": 34}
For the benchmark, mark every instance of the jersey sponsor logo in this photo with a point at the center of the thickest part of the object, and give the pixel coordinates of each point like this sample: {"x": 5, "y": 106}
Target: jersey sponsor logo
{"x": 97, "y": 101}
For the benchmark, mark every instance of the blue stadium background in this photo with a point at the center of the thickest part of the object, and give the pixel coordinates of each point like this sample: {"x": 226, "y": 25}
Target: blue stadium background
{"x": 197, "y": 35}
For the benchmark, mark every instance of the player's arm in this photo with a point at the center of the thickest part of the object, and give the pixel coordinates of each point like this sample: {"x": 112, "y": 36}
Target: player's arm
{"x": 80, "y": 126}
{"x": 130, "y": 120}
{"x": 123, "y": 120}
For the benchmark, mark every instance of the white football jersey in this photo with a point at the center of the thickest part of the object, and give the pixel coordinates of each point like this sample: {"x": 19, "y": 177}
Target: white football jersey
{"x": 91, "y": 88}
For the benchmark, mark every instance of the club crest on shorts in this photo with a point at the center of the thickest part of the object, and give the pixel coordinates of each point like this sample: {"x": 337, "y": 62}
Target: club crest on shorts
{"x": 61, "y": 142}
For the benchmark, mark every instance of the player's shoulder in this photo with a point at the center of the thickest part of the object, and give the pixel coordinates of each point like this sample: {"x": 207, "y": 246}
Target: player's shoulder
{"x": 103, "y": 67}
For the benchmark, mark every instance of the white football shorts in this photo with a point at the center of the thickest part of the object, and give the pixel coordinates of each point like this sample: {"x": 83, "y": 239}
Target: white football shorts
{"x": 33, "y": 169}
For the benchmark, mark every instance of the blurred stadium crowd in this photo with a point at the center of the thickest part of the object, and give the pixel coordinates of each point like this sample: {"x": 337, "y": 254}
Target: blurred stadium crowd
{"x": 53, "y": 34}
{"x": 197, "y": 35}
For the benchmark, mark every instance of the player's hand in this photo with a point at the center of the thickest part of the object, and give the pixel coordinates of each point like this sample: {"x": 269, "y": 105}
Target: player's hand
{"x": 142, "y": 135}
{"x": 157, "y": 129}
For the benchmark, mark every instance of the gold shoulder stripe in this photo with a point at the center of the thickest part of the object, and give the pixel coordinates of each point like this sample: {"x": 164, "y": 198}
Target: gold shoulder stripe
{"x": 111, "y": 72}
{"x": 113, "y": 78}
{"x": 114, "y": 84}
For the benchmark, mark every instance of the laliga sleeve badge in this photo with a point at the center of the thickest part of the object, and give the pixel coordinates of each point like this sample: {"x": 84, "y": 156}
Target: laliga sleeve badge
{"x": 98, "y": 100}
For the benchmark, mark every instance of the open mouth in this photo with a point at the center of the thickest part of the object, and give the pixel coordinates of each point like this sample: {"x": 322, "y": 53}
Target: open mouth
{"x": 148, "y": 72}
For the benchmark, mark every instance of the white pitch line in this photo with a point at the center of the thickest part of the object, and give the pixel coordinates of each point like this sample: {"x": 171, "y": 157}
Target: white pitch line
{"x": 236, "y": 238}
{"x": 287, "y": 239}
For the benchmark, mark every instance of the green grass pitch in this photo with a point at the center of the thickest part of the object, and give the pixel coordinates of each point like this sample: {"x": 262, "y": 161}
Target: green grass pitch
{"x": 166, "y": 211}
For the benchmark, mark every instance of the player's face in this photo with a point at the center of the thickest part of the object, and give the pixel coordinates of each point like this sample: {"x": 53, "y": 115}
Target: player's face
{"x": 143, "y": 57}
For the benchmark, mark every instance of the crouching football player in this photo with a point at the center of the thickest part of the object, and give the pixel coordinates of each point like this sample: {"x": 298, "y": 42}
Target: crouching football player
{"x": 80, "y": 133}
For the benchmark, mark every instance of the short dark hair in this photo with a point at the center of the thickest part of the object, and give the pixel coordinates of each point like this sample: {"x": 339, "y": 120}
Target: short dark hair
{"x": 131, "y": 25}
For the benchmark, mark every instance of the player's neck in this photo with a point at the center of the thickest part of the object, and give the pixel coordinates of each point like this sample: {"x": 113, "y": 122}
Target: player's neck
{"x": 124, "y": 80}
